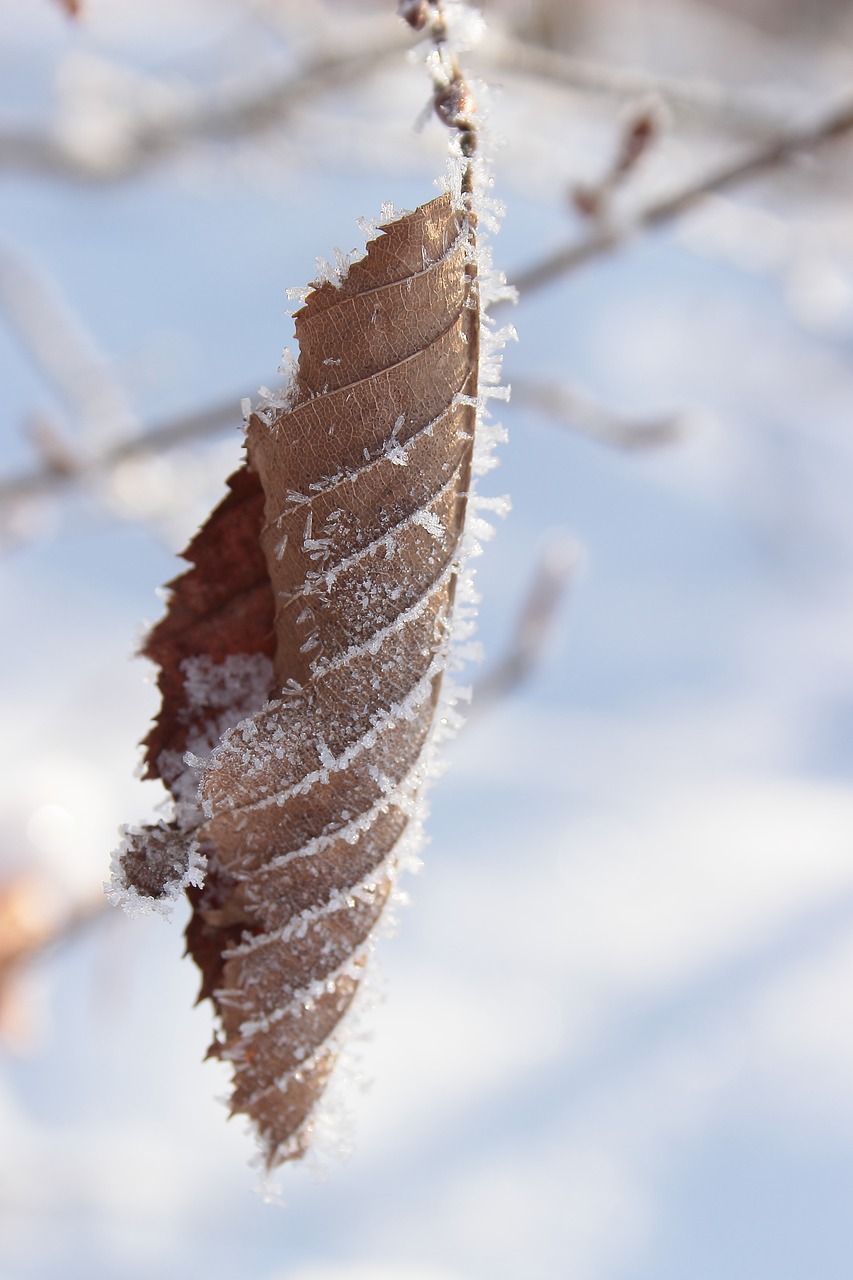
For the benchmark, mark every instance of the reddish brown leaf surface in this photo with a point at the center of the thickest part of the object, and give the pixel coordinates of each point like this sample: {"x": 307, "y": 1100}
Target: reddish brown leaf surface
{"x": 325, "y": 581}
{"x": 222, "y": 606}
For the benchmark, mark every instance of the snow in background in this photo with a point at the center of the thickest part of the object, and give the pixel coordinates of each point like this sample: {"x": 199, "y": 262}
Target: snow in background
{"x": 613, "y": 1039}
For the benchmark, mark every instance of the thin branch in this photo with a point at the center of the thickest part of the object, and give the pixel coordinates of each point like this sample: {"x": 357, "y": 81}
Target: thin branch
{"x": 451, "y": 96}
{"x": 552, "y": 578}
{"x": 703, "y": 98}
{"x": 581, "y": 414}
{"x": 232, "y": 111}
{"x": 782, "y": 151}
{"x": 57, "y": 341}
{"x": 642, "y": 130}
{"x": 167, "y": 435}
{"x": 77, "y": 922}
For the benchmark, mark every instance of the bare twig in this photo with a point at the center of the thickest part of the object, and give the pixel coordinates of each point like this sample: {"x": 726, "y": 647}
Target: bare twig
{"x": 168, "y": 435}
{"x": 451, "y": 96}
{"x": 587, "y": 417}
{"x": 58, "y": 342}
{"x": 56, "y": 451}
{"x": 782, "y": 151}
{"x": 689, "y": 98}
{"x": 551, "y": 580}
{"x": 233, "y": 111}
{"x": 642, "y": 129}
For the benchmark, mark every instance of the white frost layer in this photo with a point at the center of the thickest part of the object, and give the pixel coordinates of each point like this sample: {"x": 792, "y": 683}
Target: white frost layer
{"x": 240, "y": 682}
{"x": 219, "y": 695}
{"x": 254, "y": 754}
{"x": 134, "y": 900}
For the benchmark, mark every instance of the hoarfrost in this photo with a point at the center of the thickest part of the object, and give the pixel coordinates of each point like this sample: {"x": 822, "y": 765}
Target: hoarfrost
{"x": 151, "y": 868}
{"x": 334, "y": 273}
{"x": 369, "y": 229}
{"x": 240, "y": 684}
{"x": 465, "y": 26}
{"x": 429, "y": 520}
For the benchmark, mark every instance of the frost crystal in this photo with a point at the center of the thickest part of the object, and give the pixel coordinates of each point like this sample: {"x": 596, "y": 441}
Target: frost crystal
{"x": 151, "y": 868}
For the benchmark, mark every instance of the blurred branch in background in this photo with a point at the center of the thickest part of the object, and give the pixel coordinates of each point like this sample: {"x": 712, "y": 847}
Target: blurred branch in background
{"x": 111, "y": 122}
{"x": 33, "y": 920}
{"x": 571, "y": 408}
{"x": 210, "y": 420}
{"x": 702, "y": 100}
{"x": 55, "y": 339}
{"x": 85, "y": 379}
{"x": 552, "y": 578}
{"x": 102, "y": 474}
{"x": 114, "y": 124}
{"x": 643, "y": 127}
{"x": 782, "y": 151}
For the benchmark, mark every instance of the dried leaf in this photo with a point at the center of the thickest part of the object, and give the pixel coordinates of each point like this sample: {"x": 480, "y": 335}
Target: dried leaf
{"x": 325, "y": 581}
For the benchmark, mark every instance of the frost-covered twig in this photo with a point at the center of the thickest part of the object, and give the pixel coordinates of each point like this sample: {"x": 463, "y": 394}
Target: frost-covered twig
{"x": 452, "y": 98}
{"x": 775, "y": 155}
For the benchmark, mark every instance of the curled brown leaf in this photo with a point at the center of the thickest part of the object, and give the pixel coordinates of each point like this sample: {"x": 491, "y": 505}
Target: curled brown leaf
{"x": 302, "y": 659}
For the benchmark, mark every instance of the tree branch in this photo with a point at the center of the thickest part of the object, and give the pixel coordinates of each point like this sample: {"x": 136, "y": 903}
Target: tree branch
{"x": 552, "y": 578}
{"x": 234, "y": 111}
{"x": 684, "y": 97}
{"x": 57, "y": 341}
{"x": 781, "y": 151}
{"x": 167, "y": 435}
{"x": 581, "y": 414}
{"x": 32, "y": 923}
{"x": 206, "y": 421}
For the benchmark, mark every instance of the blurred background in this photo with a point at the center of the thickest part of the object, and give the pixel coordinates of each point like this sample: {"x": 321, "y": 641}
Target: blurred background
{"x": 613, "y": 1037}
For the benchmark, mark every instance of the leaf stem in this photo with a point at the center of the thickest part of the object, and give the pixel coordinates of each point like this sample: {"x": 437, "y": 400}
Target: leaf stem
{"x": 452, "y": 98}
